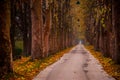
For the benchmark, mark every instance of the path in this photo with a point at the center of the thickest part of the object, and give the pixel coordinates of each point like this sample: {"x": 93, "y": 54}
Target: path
{"x": 78, "y": 64}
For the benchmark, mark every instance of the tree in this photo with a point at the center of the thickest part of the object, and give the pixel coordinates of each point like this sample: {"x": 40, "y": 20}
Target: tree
{"x": 26, "y": 18}
{"x": 21, "y": 26}
{"x": 116, "y": 29}
{"x": 36, "y": 51}
{"x": 102, "y": 26}
{"x": 5, "y": 43}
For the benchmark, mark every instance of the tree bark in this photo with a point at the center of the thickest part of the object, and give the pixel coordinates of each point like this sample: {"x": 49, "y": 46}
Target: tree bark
{"x": 36, "y": 29}
{"x": 116, "y": 28}
{"x": 5, "y": 43}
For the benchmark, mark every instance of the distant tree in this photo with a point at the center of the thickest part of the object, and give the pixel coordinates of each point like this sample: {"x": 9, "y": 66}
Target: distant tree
{"x": 27, "y": 27}
{"x": 101, "y": 19}
{"x": 21, "y": 26}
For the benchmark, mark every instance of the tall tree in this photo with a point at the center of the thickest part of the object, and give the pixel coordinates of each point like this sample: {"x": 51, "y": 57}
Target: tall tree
{"x": 26, "y": 21}
{"x": 102, "y": 26}
{"x": 5, "y": 44}
{"x": 36, "y": 29}
{"x": 116, "y": 28}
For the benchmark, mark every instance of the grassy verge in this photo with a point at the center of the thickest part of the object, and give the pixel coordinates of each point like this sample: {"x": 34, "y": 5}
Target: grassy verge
{"x": 25, "y": 69}
{"x": 109, "y": 66}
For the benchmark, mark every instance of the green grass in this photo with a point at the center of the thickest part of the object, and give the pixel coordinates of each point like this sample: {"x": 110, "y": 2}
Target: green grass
{"x": 19, "y": 45}
{"x": 18, "y": 50}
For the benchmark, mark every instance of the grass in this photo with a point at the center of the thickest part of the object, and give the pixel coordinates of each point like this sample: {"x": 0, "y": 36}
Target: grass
{"x": 18, "y": 50}
{"x": 25, "y": 69}
{"x": 108, "y": 64}
{"x": 19, "y": 44}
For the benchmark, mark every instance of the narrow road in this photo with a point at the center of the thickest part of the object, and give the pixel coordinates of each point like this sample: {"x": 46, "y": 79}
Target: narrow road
{"x": 78, "y": 64}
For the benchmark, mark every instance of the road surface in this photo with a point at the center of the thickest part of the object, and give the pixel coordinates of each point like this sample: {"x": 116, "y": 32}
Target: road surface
{"x": 78, "y": 64}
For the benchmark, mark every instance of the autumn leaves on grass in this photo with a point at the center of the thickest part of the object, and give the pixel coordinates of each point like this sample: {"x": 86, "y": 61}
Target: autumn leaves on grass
{"x": 25, "y": 69}
{"x": 109, "y": 66}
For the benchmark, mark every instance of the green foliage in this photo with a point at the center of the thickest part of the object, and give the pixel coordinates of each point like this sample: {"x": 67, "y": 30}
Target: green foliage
{"x": 18, "y": 49}
{"x": 18, "y": 52}
{"x": 103, "y": 22}
{"x": 19, "y": 44}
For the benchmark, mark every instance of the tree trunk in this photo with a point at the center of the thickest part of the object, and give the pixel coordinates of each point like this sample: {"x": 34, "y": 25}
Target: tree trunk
{"x": 5, "y": 43}
{"x": 27, "y": 28}
{"x": 116, "y": 27}
{"x": 36, "y": 29}
{"x": 12, "y": 28}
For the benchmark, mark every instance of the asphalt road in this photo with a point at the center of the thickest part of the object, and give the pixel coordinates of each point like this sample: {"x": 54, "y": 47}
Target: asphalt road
{"x": 78, "y": 64}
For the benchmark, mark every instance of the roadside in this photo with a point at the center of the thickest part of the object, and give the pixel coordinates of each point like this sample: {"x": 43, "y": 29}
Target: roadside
{"x": 25, "y": 69}
{"x": 108, "y": 65}
{"x": 78, "y": 64}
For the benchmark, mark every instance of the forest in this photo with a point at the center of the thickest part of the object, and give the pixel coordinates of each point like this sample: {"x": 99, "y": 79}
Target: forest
{"x": 102, "y": 27}
{"x": 41, "y": 28}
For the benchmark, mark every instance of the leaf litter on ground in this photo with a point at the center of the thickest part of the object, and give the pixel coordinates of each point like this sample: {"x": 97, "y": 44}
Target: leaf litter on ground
{"x": 108, "y": 64}
{"x": 26, "y": 69}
